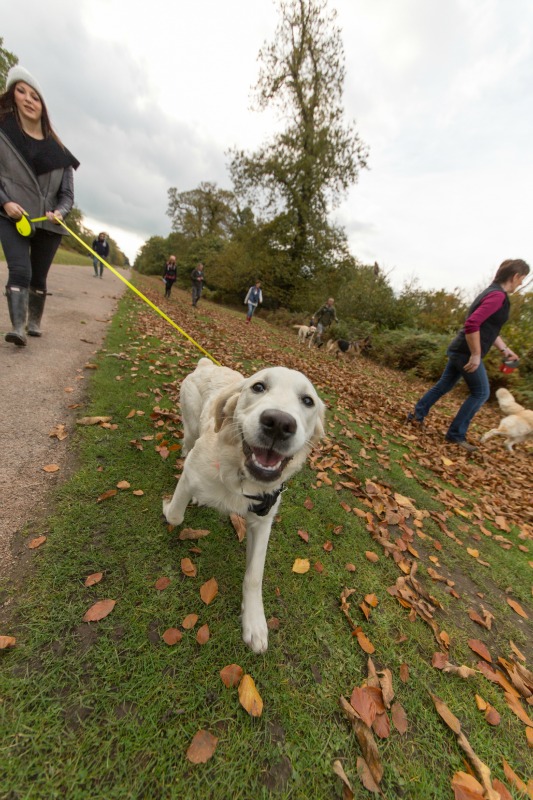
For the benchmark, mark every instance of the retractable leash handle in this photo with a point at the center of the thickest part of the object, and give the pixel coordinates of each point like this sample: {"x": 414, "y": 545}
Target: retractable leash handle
{"x": 138, "y": 293}
{"x": 25, "y": 225}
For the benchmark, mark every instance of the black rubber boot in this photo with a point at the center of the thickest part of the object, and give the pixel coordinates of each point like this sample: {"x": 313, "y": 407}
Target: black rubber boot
{"x": 17, "y": 303}
{"x": 36, "y": 302}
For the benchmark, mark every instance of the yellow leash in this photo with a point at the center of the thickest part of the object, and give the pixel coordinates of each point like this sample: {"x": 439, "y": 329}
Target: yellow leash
{"x": 133, "y": 289}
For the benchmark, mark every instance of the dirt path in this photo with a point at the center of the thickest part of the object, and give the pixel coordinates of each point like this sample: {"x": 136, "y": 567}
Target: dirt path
{"x": 38, "y": 384}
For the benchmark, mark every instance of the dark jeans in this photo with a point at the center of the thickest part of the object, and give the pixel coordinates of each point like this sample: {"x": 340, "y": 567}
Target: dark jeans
{"x": 196, "y": 291}
{"x": 98, "y": 266}
{"x": 478, "y": 384}
{"x": 28, "y": 259}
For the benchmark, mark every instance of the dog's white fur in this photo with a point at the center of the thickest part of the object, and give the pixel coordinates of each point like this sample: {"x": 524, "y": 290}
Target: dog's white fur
{"x": 244, "y": 437}
{"x": 305, "y": 332}
{"x": 517, "y": 425}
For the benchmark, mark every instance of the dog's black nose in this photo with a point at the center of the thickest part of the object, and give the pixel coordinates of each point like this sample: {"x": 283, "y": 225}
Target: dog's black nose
{"x": 277, "y": 423}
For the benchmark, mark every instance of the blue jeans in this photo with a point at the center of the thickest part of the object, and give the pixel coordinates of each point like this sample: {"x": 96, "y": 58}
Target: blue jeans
{"x": 251, "y": 309}
{"x": 98, "y": 266}
{"x": 478, "y": 384}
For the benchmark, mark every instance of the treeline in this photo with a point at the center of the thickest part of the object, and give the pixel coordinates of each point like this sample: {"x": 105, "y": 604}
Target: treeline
{"x": 410, "y": 328}
{"x": 236, "y": 250}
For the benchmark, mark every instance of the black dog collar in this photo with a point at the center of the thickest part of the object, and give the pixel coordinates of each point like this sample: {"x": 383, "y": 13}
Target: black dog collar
{"x": 264, "y": 501}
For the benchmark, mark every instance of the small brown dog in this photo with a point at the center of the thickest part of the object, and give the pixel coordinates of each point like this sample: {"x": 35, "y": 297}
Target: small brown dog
{"x": 517, "y": 425}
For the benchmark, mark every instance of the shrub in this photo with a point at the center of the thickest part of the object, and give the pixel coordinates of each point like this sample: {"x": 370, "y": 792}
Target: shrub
{"x": 405, "y": 349}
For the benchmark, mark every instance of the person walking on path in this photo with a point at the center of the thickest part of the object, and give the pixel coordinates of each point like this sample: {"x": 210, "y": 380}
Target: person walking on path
{"x": 36, "y": 180}
{"x": 253, "y": 297}
{"x": 100, "y": 246}
{"x": 323, "y": 319}
{"x": 197, "y": 278}
{"x": 170, "y": 274}
{"x": 486, "y": 317}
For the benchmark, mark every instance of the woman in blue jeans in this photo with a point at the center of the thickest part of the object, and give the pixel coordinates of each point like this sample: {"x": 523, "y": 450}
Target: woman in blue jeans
{"x": 486, "y": 317}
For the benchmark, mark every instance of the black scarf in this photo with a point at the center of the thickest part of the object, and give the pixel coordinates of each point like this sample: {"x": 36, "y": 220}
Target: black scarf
{"x": 41, "y": 155}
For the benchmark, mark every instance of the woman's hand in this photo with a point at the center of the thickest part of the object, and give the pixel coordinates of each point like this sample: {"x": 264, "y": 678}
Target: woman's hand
{"x": 54, "y": 216}
{"x": 14, "y": 211}
{"x": 509, "y": 355}
{"x": 472, "y": 364}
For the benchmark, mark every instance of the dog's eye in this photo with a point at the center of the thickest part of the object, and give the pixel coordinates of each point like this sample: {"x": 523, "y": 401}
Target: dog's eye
{"x": 308, "y": 401}
{"x": 258, "y": 387}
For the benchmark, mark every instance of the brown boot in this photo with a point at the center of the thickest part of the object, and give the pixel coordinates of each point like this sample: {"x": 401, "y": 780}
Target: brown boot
{"x": 17, "y": 303}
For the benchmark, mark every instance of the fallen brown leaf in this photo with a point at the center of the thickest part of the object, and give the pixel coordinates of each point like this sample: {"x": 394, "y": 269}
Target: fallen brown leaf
{"x": 191, "y": 533}
{"x": 249, "y": 697}
{"x": 37, "y": 542}
{"x": 301, "y": 566}
{"x": 366, "y": 777}
{"x": 208, "y": 591}
{"x": 7, "y": 641}
{"x": 202, "y": 636}
{"x": 51, "y": 468}
{"x": 239, "y": 524}
{"x": 93, "y": 420}
{"x": 99, "y": 610}
{"x": 189, "y": 621}
{"x": 59, "y": 432}
{"x": 517, "y": 608}
{"x": 172, "y": 636}
{"x": 188, "y": 568}
{"x": 93, "y": 579}
{"x": 480, "y": 649}
{"x": 231, "y": 675}
{"x": 162, "y": 583}
{"x": 202, "y": 747}
{"x": 347, "y": 791}
{"x": 363, "y": 704}
{"x": 106, "y": 495}
{"x": 399, "y": 718}
{"x": 513, "y": 778}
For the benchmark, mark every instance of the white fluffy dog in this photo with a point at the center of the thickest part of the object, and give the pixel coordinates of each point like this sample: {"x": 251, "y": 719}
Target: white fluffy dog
{"x": 243, "y": 439}
{"x": 517, "y": 425}
{"x": 305, "y": 332}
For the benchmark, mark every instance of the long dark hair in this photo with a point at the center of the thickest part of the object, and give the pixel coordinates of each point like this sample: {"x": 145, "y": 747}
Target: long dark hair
{"x": 8, "y": 106}
{"x": 509, "y": 268}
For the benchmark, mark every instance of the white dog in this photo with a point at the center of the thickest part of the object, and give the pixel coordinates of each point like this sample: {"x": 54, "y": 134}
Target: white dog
{"x": 517, "y": 425}
{"x": 243, "y": 439}
{"x": 305, "y": 332}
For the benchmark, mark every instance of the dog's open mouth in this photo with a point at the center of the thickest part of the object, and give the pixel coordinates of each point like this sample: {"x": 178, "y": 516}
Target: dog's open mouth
{"x": 263, "y": 463}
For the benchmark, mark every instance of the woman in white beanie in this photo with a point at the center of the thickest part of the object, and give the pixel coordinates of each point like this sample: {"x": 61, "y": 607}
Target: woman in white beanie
{"x": 36, "y": 179}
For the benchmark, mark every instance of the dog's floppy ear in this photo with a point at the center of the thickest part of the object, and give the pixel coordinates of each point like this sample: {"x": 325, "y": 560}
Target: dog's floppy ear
{"x": 319, "y": 431}
{"x": 226, "y": 403}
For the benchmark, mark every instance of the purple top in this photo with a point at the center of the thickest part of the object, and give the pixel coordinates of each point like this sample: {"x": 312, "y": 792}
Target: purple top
{"x": 488, "y": 306}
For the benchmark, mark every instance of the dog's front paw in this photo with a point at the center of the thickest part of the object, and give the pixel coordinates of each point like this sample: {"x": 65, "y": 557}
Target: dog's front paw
{"x": 255, "y": 632}
{"x": 171, "y": 517}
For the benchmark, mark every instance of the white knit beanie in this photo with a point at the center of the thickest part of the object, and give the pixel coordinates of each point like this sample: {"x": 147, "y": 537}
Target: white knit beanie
{"x": 17, "y": 74}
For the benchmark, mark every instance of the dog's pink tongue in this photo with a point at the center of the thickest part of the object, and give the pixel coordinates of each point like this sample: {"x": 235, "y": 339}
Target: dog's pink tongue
{"x": 267, "y": 458}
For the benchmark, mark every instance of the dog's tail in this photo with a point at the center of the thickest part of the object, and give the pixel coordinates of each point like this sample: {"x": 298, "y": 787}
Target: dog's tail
{"x": 507, "y": 402}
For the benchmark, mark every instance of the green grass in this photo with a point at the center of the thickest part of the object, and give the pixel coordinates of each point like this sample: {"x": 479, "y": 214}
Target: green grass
{"x": 64, "y": 256}
{"x": 108, "y": 710}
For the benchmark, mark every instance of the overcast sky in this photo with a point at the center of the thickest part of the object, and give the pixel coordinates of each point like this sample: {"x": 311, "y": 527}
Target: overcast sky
{"x": 151, "y": 95}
